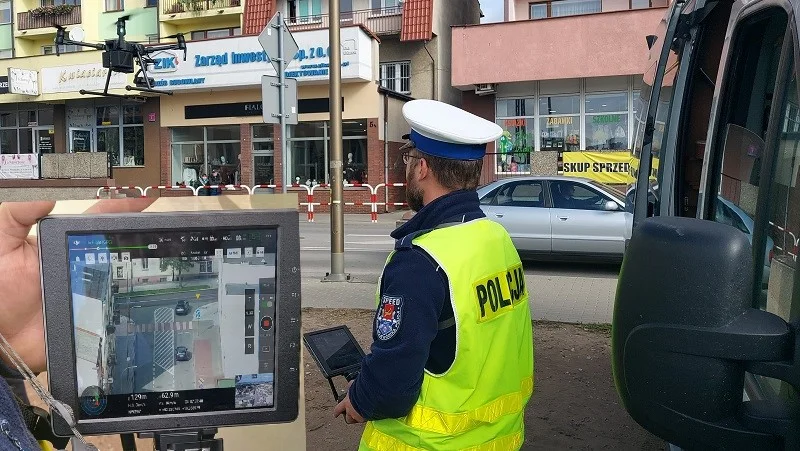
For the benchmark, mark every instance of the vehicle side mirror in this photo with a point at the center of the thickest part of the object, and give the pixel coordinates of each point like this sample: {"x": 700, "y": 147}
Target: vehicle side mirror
{"x": 611, "y": 206}
{"x": 685, "y": 333}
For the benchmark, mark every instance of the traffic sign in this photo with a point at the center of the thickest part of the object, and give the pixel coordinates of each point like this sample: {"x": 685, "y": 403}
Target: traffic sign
{"x": 270, "y": 98}
{"x": 270, "y": 41}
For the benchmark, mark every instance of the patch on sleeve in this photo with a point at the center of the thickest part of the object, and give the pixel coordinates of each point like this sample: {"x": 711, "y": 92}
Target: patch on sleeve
{"x": 390, "y": 313}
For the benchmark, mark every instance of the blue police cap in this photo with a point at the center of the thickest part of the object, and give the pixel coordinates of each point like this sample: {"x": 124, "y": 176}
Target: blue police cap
{"x": 442, "y": 130}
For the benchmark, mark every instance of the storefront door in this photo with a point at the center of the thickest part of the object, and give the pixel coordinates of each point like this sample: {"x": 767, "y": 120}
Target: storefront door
{"x": 80, "y": 139}
{"x": 43, "y": 139}
{"x": 264, "y": 169}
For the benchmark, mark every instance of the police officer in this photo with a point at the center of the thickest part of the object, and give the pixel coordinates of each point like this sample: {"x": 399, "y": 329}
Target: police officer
{"x": 451, "y": 364}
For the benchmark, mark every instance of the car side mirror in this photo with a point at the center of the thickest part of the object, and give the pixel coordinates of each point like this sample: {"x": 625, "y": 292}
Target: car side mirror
{"x": 611, "y": 206}
{"x": 685, "y": 333}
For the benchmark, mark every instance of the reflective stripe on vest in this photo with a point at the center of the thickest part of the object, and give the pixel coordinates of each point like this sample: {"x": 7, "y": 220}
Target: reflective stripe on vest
{"x": 429, "y": 419}
{"x": 376, "y": 440}
{"x": 478, "y": 403}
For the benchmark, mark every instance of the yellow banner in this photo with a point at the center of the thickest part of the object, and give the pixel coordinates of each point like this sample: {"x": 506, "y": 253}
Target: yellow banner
{"x": 613, "y": 168}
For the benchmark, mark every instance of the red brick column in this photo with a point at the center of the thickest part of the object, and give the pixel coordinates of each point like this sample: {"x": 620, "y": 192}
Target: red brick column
{"x": 246, "y": 155}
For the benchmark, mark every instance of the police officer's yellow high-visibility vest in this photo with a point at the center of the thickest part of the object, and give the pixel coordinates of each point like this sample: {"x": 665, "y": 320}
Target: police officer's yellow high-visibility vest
{"x": 479, "y": 402}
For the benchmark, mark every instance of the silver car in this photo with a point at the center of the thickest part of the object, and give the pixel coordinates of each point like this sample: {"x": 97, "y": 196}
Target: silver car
{"x": 559, "y": 217}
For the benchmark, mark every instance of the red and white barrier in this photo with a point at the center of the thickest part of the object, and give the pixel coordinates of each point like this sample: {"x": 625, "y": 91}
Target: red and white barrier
{"x": 114, "y": 188}
{"x": 168, "y": 188}
{"x": 309, "y": 203}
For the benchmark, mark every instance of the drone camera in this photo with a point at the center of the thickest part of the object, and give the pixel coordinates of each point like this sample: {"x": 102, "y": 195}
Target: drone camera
{"x": 141, "y": 82}
{"x": 118, "y": 61}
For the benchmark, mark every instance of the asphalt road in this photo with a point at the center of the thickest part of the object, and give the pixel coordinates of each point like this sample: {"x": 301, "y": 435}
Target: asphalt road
{"x": 368, "y": 245}
{"x": 147, "y": 355}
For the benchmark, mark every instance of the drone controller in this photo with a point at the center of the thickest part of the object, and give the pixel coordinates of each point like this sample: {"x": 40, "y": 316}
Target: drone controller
{"x": 174, "y": 322}
{"x": 337, "y": 353}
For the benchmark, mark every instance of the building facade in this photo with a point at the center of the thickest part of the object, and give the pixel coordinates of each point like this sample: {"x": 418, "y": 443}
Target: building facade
{"x": 566, "y": 93}
{"x": 58, "y": 143}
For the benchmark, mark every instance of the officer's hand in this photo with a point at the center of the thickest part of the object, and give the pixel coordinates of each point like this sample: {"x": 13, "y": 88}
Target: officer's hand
{"x": 345, "y": 407}
{"x": 20, "y": 287}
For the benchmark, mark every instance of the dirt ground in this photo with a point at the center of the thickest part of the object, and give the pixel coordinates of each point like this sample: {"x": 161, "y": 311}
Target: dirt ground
{"x": 574, "y": 404}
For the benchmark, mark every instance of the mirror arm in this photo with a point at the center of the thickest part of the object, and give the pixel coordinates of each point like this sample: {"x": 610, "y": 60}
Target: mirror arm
{"x": 755, "y": 335}
{"x": 786, "y": 370}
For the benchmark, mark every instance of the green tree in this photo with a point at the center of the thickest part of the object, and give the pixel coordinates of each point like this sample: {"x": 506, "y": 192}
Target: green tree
{"x": 178, "y": 266}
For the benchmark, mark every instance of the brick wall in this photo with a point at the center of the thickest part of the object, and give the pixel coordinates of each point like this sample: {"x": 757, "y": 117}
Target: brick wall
{"x": 246, "y": 155}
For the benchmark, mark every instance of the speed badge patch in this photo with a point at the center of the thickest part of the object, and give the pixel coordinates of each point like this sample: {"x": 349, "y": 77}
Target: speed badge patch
{"x": 390, "y": 313}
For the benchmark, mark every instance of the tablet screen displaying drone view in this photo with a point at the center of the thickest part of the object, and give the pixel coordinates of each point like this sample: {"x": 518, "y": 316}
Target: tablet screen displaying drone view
{"x": 173, "y": 322}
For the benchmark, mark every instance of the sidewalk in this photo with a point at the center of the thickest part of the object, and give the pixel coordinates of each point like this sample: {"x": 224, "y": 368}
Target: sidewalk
{"x": 567, "y": 299}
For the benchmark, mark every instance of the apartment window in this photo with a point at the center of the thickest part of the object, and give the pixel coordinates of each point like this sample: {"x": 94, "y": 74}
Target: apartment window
{"x": 217, "y": 33}
{"x": 120, "y": 133}
{"x": 641, "y": 4}
{"x": 151, "y": 4}
{"x": 5, "y": 11}
{"x": 396, "y": 76}
{"x": 6, "y": 53}
{"x": 301, "y": 10}
{"x": 145, "y": 264}
{"x": 607, "y": 121}
{"x": 309, "y": 144}
{"x": 385, "y": 6}
{"x": 115, "y": 5}
{"x": 60, "y": 2}
{"x": 206, "y": 267}
{"x": 561, "y": 8}
{"x": 67, "y": 48}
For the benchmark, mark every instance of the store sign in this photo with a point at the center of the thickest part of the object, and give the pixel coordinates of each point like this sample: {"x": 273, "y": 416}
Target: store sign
{"x": 241, "y": 61}
{"x": 3, "y": 85}
{"x": 19, "y": 166}
{"x": 23, "y": 81}
{"x": 613, "y": 168}
{"x": 90, "y": 77}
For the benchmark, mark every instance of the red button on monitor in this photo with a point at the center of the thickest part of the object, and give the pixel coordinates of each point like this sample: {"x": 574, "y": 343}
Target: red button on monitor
{"x": 266, "y": 323}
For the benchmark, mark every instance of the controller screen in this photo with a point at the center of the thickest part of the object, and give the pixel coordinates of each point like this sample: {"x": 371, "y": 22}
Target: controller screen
{"x": 173, "y": 322}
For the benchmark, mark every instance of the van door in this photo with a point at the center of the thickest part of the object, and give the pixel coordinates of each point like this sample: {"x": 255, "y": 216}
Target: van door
{"x": 752, "y": 165}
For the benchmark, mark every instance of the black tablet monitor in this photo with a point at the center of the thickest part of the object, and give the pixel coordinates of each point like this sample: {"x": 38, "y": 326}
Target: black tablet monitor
{"x": 335, "y": 350}
{"x": 172, "y": 321}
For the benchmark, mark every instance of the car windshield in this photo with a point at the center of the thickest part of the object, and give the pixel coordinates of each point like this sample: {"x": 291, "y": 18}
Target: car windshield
{"x": 614, "y": 192}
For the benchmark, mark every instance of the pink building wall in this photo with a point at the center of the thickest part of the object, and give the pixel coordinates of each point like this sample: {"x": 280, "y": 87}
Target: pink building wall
{"x": 595, "y": 45}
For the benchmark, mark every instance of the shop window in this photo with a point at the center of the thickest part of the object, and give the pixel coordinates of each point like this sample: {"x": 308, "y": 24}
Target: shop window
{"x": 5, "y": 11}
{"x": 607, "y": 121}
{"x": 513, "y": 149}
{"x": 559, "y": 123}
{"x": 202, "y": 151}
{"x": 115, "y": 5}
{"x": 21, "y": 129}
{"x": 396, "y": 76}
{"x": 120, "y": 133}
{"x": 309, "y": 144}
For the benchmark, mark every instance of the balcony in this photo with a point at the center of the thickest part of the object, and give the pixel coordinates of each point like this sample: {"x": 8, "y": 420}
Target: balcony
{"x": 383, "y": 21}
{"x": 183, "y": 10}
{"x": 39, "y": 21}
{"x": 579, "y": 46}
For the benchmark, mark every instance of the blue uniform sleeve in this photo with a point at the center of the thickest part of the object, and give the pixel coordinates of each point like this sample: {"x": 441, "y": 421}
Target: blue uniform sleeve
{"x": 405, "y": 324}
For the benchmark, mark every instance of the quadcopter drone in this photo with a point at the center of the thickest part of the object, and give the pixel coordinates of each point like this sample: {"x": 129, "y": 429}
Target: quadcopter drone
{"x": 120, "y": 56}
